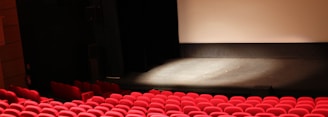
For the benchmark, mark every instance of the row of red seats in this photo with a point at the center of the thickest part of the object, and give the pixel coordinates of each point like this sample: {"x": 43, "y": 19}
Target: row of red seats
{"x": 9, "y": 96}
{"x": 156, "y": 103}
{"x": 100, "y": 88}
{"x": 29, "y": 94}
{"x": 184, "y": 102}
{"x": 84, "y": 90}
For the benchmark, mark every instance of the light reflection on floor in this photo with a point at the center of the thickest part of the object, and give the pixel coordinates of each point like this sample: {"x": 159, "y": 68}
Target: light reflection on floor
{"x": 233, "y": 72}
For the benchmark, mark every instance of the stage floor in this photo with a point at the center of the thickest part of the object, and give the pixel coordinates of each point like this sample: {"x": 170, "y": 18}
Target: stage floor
{"x": 234, "y": 75}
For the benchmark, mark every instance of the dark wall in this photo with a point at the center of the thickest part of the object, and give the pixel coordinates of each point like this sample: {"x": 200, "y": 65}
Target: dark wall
{"x": 149, "y": 32}
{"x": 54, "y": 36}
{"x": 65, "y": 40}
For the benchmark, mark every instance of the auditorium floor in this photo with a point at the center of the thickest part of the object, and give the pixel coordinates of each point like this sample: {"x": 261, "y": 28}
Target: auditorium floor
{"x": 235, "y": 76}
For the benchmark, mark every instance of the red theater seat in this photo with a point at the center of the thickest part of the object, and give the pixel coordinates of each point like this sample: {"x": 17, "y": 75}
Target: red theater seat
{"x": 264, "y": 106}
{"x": 164, "y": 97}
{"x": 116, "y": 96}
{"x": 180, "y": 94}
{"x": 211, "y": 109}
{"x": 290, "y": 102}
{"x": 30, "y": 102}
{"x": 177, "y": 115}
{"x": 69, "y": 105}
{"x": 241, "y": 114}
{"x": 102, "y": 108}
{"x": 134, "y": 115}
{"x": 254, "y": 110}
{"x": 122, "y": 111}
{"x": 194, "y": 113}
{"x": 202, "y": 105}
{"x": 78, "y": 102}
{"x": 172, "y": 101}
{"x": 244, "y": 105}
{"x": 96, "y": 112}
{"x": 272, "y": 102}
{"x": 289, "y": 115}
{"x": 114, "y": 114}
{"x": 121, "y": 106}
{"x": 276, "y": 111}
{"x": 149, "y": 95}
{"x": 207, "y": 96}
{"x": 299, "y": 111}
{"x": 12, "y": 112}
{"x": 107, "y": 105}
{"x": 141, "y": 103}
{"x": 50, "y": 111}
{"x": 67, "y": 113}
{"x": 156, "y": 105}
{"x": 241, "y": 98}
{"x": 320, "y": 111}
{"x": 166, "y": 92}
{"x": 154, "y": 91}
{"x": 7, "y": 115}
{"x": 187, "y": 98}
{"x": 138, "y": 112}
{"x": 136, "y": 94}
{"x": 55, "y": 103}
{"x": 171, "y": 112}
{"x": 32, "y": 108}
{"x": 141, "y": 108}
{"x": 306, "y": 102}
{"x": 253, "y": 102}
{"x": 224, "y": 105}
{"x": 305, "y": 106}
{"x": 143, "y": 98}
{"x": 155, "y": 110}
{"x": 235, "y": 102}
{"x": 265, "y": 115}
{"x": 92, "y": 103}
{"x": 97, "y": 99}
{"x": 173, "y": 97}
{"x": 216, "y": 114}
{"x": 305, "y": 98}
{"x": 60, "y": 108}
{"x": 158, "y": 100}
{"x": 85, "y": 114}
{"x": 321, "y": 99}
{"x": 287, "y": 107}
{"x": 28, "y": 114}
{"x": 188, "y": 109}
{"x": 172, "y": 107}
{"x": 232, "y": 109}
{"x": 46, "y": 115}
{"x": 216, "y": 101}
{"x": 271, "y": 98}
{"x": 16, "y": 106}
{"x": 258, "y": 98}
{"x": 223, "y": 97}
{"x": 290, "y": 98}
{"x": 45, "y": 105}
{"x": 192, "y": 94}
{"x": 314, "y": 115}
{"x": 77, "y": 110}
{"x": 126, "y": 102}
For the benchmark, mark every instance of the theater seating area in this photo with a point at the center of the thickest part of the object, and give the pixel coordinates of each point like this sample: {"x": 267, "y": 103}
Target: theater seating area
{"x": 22, "y": 102}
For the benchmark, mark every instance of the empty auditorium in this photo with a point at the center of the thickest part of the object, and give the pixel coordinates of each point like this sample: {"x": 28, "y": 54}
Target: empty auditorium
{"x": 163, "y": 58}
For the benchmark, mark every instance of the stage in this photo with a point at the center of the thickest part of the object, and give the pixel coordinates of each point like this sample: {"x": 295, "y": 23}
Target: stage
{"x": 235, "y": 76}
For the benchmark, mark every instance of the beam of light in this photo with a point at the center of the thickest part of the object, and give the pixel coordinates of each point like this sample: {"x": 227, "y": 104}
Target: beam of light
{"x": 235, "y": 72}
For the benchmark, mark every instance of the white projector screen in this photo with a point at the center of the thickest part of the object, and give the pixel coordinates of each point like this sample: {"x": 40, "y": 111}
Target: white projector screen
{"x": 253, "y": 21}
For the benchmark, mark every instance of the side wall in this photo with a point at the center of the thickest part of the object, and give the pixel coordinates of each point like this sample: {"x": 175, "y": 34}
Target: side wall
{"x": 11, "y": 53}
